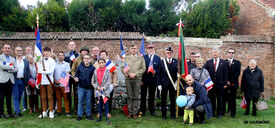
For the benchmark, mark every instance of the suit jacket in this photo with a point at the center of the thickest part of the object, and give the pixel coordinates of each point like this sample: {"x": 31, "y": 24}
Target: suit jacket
{"x": 234, "y": 72}
{"x": 219, "y": 77}
{"x": 7, "y": 71}
{"x": 162, "y": 77}
{"x": 26, "y": 72}
{"x": 149, "y": 78}
{"x": 106, "y": 82}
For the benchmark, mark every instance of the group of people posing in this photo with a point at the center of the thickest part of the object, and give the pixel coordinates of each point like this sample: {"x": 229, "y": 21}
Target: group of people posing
{"x": 92, "y": 82}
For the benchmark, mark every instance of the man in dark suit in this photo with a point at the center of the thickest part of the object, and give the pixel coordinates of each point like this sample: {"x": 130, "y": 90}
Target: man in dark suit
{"x": 166, "y": 83}
{"x": 218, "y": 70}
{"x": 191, "y": 63}
{"x": 149, "y": 80}
{"x": 234, "y": 69}
{"x": 70, "y": 56}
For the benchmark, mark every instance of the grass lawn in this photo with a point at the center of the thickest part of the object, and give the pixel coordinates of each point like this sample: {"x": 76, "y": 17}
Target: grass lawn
{"x": 119, "y": 120}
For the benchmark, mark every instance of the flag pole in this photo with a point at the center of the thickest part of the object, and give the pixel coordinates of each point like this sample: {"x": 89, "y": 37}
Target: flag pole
{"x": 177, "y": 113}
{"x": 37, "y": 27}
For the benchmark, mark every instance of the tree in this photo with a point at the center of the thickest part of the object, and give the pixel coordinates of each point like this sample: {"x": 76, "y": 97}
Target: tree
{"x": 52, "y": 17}
{"x": 12, "y": 16}
{"x": 161, "y": 17}
{"x": 209, "y": 18}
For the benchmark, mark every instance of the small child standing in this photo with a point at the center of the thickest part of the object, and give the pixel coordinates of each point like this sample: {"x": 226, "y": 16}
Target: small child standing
{"x": 189, "y": 111}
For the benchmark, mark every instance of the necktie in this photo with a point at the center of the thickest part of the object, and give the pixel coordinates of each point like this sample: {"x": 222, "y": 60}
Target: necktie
{"x": 170, "y": 61}
{"x": 215, "y": 64}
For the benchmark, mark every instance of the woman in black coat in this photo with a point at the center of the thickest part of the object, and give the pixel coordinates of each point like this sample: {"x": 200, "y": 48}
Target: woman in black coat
{"x": 252, "y": 85}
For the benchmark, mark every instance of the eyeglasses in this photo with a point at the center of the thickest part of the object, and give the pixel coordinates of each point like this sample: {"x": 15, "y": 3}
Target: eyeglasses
{"x": 19, "y": 50}
{"x": 101, "y": 62}
{"x": 231, "y": 52}
{"x": 86, "y": 58}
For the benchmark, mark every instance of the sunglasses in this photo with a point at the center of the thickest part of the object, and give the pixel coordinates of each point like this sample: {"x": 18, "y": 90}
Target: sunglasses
{"x": 231, "y": 52}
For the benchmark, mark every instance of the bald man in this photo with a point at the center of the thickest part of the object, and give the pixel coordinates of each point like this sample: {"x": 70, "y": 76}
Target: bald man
{"x": 202, "y": 104}
{"x": 70, "y": 56}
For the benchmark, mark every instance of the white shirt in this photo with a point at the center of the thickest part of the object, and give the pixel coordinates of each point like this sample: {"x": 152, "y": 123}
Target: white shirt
{"x": 49, "y": 66}
{"x": 217, "y": 64}
{"x": 169, "y": 60}
{"x": 151, "y": 56}
{"x": 20, "y": 67}
{"x": 230, "y": 61}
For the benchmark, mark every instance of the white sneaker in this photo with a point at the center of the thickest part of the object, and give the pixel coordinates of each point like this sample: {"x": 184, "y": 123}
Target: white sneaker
{"x": 24, "y": 110}
{"x": 51, "y": 115}
{"x": 44, "y": 115}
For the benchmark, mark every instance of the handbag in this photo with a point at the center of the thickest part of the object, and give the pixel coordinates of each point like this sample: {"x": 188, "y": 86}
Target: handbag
{"x": 261, "y": 104}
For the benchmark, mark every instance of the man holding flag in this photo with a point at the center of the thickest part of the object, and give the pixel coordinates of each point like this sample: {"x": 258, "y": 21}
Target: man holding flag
{"x": 149, "y": 79}
{"x": 166, "y": 81}
{"x": 133, "y": 76}
{"x": 61, "y": 79}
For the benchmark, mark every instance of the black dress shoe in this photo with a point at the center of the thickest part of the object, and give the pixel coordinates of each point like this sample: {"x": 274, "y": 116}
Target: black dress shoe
{"x": 246, "y": 113}
{"x": 233, "y": 117}
{"x": 163, "y": 118}
{"x": 18, "y": 115}
{"x": 58, "y": 113}
{"x": 89, "y": 118}
{"x": 12, "y": 116}
{"x": 79, "y": 118}
{"x": 3, "y": 116}
{"x": 202, "y": 122}
{"x": 173, "y": 117}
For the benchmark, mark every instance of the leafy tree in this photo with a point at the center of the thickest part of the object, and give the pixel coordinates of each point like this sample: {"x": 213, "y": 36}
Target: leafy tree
{"x": 161, "y": 17}
{"x": 52, "y": 17}
{"x": 209, "y": 18}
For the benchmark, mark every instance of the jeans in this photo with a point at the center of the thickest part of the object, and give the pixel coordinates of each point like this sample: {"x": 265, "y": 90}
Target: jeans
{"x": 24, "y": 100}
{"x": 84, "y": 94}
{"x": 100, "y": 108}
{"x": 17, "y": 92}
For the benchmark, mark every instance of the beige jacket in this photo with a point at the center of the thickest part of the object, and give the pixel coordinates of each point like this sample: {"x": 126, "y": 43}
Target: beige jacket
{"x": 7, "y": 71}
{"x": 136, "y": 65}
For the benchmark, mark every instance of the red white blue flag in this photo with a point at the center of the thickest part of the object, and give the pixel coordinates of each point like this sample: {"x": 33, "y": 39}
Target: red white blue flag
{"x": 110, "y": 65}
{"x": 72, "y": 57}
{"x": 142, "y": 48}
{"x": 64, "y": 79}
{"x": 126, "y": 67}
{"x": 123, "y": 53}
{"x": 151, "y": 68}
{"x": 208, "y": 84}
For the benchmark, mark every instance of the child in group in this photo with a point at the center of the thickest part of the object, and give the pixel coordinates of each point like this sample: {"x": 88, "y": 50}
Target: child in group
{"x": 83, "y": 76}
{"x": 101, "y": 81}
{"x": 189, "y": 111}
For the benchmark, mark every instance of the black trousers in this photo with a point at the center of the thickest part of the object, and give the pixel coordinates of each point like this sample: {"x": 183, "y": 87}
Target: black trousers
{"x": 199, "y": 113}
{"x": 248, "y": 101}
{"x": 110, "y": 100}
{"x": 216, "y": 97}
{"x": 229, "y": 97}
{"x": 73, "y": 89}
{"x": 6, "y": 92}
{"x": 172, "y": 95}
{"x": 151, "y": 100}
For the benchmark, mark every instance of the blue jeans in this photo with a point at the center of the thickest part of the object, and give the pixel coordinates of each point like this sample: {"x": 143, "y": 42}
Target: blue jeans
{"x": 100, "y": 108}
{"x": 24, "y": 99}
{"x": 87, "y": 95}
{"x": 17, "y": 92}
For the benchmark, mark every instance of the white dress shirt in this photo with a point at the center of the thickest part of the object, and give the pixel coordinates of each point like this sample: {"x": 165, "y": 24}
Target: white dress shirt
{"x": 20, "y": 67}
{"x": 49, "y": 66}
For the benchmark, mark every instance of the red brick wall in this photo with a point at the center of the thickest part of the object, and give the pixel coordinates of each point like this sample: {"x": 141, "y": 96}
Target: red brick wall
{"x": 253, "y": 20}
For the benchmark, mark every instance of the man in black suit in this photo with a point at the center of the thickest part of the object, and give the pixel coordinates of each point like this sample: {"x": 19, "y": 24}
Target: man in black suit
{"x": 149, "y": 80}
{"x": 234, "y": 69}
{"x": 218, "y": 70}
{"x": 166, "y": 83}
{"x": 191, "y": 63}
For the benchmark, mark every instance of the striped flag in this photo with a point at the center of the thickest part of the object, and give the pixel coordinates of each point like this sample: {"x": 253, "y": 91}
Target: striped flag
{"x": 182, "y": 63}
{"x": 123, "y": 53}
{"x": 72, "y": 57}
{"x": 208, "y": 84}
{"x": 243, "y": 103}
{"x": 64, "y": 79}
{"x": 110, "y": 65}
{"x": 126, "y": 67}
{"x": 38, "y": 55}
{"x": 151, "y": 68}
{"x": 142, "y": 48}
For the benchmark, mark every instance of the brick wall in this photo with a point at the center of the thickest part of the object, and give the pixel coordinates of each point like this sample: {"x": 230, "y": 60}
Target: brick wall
{"x": 260, "y": 48}
{"x": 255, "y": 18}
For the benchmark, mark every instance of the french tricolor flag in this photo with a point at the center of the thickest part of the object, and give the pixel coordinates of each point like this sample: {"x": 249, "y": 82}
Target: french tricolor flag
{"x": 150, "y": 68}
{"x": 110, "y": 65}
{"x": 208, "y": 84}
{"x": 123, "y": 53}
{"x": 72, "y": 57}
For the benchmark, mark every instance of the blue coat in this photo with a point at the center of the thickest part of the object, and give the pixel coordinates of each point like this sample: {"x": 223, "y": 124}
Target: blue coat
{"x": 201, "y": 98}
{"x": 149, "y": 78}
{"x": 68, "y": 55}
{"x": 26, "y": 72}
{"x": 84, "y": 74}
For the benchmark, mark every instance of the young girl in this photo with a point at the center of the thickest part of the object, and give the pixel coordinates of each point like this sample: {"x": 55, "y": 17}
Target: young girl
{"x": 189, "y": 111}
{"x": 101, "y": 81}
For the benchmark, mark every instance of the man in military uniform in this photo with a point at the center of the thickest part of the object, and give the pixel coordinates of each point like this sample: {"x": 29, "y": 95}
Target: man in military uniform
{"x": 166, "y": 82}
{"x": 133, "y": 69}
